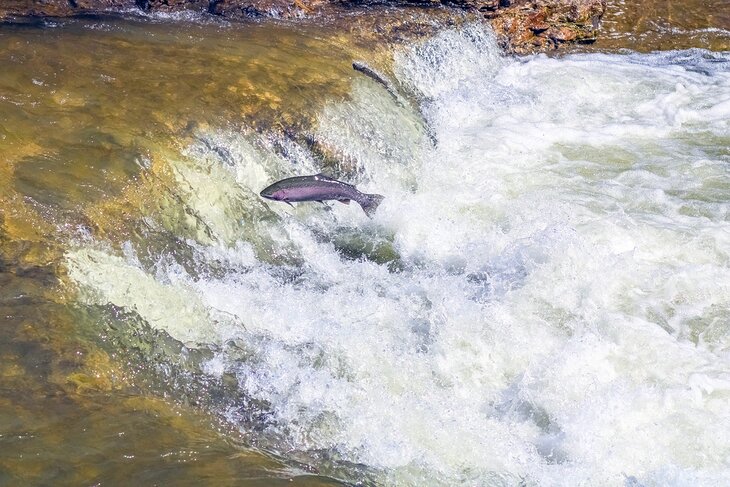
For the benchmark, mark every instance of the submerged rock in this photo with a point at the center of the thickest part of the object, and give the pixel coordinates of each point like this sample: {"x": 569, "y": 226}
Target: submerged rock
{"x": 522, "y": 26}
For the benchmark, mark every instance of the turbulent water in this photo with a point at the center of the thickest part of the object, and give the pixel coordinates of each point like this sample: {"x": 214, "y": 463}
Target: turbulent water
{"x": 543, "y": 298}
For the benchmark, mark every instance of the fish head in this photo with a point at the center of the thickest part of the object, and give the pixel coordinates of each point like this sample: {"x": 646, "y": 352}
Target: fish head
{"x": 273, "y": 192}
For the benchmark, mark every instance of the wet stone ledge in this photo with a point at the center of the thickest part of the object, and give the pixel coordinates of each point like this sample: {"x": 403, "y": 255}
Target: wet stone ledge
{"x": 522, "y": 26}
{"x": 540, "y": 25}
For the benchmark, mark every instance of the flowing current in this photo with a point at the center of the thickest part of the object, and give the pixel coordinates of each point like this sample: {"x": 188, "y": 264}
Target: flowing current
{"x": 543, "y": 298}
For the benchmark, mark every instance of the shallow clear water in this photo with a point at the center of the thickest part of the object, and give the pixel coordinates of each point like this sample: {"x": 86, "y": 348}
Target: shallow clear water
{"x": 651, "y": 25}
{"x": 543, "y": 298}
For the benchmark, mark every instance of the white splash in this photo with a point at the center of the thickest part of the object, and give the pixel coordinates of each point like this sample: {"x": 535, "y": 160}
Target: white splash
{"x": 559, "y": 310}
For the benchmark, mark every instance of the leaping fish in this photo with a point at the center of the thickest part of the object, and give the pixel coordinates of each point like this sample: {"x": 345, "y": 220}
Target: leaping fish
{"x": 320, "y": 188}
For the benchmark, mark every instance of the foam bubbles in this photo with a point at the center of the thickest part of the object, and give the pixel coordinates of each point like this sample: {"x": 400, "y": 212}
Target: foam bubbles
{"x": 546, "y": 290}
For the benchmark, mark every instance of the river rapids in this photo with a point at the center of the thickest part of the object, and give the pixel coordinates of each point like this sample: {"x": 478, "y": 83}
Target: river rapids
{"x": 543, "y": 298}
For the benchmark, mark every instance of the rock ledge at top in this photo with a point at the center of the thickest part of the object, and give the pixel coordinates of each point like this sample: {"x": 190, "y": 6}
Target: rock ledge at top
{"x": 522, "y": 26}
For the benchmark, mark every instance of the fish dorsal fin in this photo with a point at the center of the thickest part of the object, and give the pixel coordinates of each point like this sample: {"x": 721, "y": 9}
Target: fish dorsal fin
{"x": 324, "y": 177}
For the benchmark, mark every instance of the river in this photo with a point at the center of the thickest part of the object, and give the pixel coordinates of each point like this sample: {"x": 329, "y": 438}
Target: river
{"x": 543, "y": 297}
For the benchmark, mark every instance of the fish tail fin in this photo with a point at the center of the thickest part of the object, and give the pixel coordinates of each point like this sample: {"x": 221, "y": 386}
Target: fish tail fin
{"x": 370, "y": 202}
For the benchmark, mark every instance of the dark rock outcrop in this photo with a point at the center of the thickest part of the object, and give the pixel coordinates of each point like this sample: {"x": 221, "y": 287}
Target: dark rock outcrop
{"x": 521, "y": 25}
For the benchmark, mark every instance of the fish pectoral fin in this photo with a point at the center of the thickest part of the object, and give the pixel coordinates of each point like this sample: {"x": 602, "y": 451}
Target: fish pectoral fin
{"x": 347, "y": 202}
{"x": 289, "y": 203}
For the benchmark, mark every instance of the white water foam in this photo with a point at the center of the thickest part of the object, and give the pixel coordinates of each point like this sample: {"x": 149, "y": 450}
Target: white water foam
{"x": 559, "y": 309}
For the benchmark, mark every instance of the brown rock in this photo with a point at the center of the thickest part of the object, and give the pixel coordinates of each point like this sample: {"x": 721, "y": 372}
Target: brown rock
{"x": 537, "y": 21}
{"x": 562, "y": 34}
{"x": 521, "y": 25}
{"x": 532, "y": 25}
{"x": 100, "y": 5}
{"x": 488, "y": 6}
{"x": 38, "y": 8}
{"x": 237, "y": 9}
{"x": 174, "y": 5}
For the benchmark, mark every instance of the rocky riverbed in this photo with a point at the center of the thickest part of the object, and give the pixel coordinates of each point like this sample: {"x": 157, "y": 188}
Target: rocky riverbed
{"x": 522, "y": 26}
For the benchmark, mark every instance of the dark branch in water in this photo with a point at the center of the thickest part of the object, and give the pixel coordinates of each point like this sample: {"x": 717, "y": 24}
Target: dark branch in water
{"x": 378, "y": 77}
{"x": 383, "y": 80}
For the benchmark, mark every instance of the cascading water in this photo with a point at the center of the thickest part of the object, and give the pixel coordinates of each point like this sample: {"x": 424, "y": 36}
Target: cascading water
{"x": 543, "y": 298}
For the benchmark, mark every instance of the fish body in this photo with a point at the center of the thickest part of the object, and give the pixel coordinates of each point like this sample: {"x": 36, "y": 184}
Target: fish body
{"x": 320, "y": 188}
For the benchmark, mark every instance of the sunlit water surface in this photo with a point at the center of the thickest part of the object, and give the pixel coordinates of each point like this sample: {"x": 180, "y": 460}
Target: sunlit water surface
{"x": 543, "y": 298}
{"x": 649, "y": 25}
